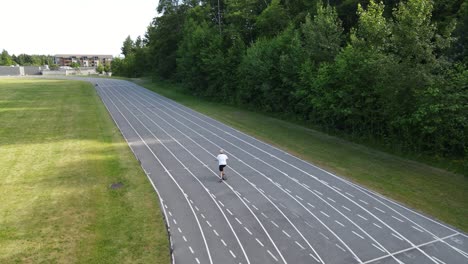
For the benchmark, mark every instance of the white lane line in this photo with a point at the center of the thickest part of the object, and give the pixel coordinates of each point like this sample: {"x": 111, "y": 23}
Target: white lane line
{"x": 229, "y": 212}
{"x": 324, "y": 235}
{"x": 169, "y": 213}
{"x": 417, "y": 229}
{"x": 248, "y": 231}
{"x": 271, "y": 254}
{"x": 299, "y": 245}
{"x": 198, "y": 261}
{"x": 185, "y": 239}
{"x": 191, "y": 201}
{"x": 318, "y": 192}
{"x": 438, "y": 260}
{"x": 286, "y": 234}
{"x": 362, "y": 217}
{"x": 191, "y": 250}
{"x": 180, "y": 231}
{"x": 377, "y": 247}
{"x": 307, "y": 223}
{"x": 261, "y": 244}
{"x": 165, "y": 206}
{"x": 337, "y": 188}
{"x": 232, "y": 253}
{"x": 378, "y": 209}
{"x": 358, "y": 235}
{"x": 346, "y": 208}
{"x": 331, "y": 199}
{"x": 264, "y": 215}
{"x": 298, "y": 197}
{"x": 173, "y": 220}
{"x": 209, "y": 223}
{"x": 273, "y": 198}
{"x": 398, "y": 219}
{"x": 224, "y": 243}
{"x": 260, "y": 189}
{"x": 311, "y": 205}
{"x": 364, "y": 202}
{"x": 255, "y": 207}
{"x": 220, "y": 203}
{"x": 314, "y": 257}
{"x": 196, "y": 208}
{"x": 274, "y": 223}
{"x": 349, "y": 194}
{"x": 238, "y": 221}
{"x": 324, "y": 214}
{"x": 282, "y": 205}
{"x": 340, "y": 223}
{"x": 377, "y": 225}
{"x": 202, "y": 215}
{"x": 397, "y": 236}
{"x": 340, "y": 247}
{"x": 246, "y": 200}
{"x": 216, "y": 233}
{"x": 287, "y": 190}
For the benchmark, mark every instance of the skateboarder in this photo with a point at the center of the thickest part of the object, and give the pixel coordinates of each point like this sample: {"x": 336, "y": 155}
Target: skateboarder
{"x": 222, "y": 158}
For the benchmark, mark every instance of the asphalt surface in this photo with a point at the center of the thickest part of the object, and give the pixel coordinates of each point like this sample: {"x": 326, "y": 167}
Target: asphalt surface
{"x": 274, "y": 207}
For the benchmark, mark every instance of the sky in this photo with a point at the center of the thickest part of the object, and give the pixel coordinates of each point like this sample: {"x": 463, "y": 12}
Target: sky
{"x": 49, "y": 27}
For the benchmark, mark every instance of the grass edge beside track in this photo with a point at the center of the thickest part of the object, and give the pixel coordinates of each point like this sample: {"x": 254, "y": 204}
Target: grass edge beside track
{"x": 429, "y": 190}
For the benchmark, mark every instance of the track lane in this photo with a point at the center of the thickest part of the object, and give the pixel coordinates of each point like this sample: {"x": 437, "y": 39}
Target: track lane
{"x": 375, "y": 205}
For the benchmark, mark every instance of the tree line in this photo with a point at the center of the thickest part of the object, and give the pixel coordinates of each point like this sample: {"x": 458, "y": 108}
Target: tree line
{"x": 393, "y": 71}
{"x": 25, "y": 60}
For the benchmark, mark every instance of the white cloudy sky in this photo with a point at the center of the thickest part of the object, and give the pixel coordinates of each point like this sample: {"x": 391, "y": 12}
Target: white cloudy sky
{"x": 72, "y": 26}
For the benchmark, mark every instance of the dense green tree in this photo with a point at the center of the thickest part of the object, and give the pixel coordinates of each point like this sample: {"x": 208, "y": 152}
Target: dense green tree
{"x": 272, "y": 20}
{"x": 127, "y": 46}
{"x": 5, "y": 59}
{"x": 323, "y": 36}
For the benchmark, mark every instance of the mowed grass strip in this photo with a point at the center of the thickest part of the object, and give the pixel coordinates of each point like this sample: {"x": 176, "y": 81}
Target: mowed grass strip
{"x": 59, "y": 154}
{"x": 430, "y": 190}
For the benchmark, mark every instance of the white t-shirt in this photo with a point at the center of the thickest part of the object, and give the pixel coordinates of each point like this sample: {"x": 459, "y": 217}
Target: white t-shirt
{"x": 222, "y": 159}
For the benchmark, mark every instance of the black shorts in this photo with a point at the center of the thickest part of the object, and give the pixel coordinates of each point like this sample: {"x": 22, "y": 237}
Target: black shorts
{"x": 221, "y": 167}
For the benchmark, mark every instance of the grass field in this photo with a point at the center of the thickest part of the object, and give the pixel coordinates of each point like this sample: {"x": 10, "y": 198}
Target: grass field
{"x": 59, "y": 154}
{"x": 433, "y": 191}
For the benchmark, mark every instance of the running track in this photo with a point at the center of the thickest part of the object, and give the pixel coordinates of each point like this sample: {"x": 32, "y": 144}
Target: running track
{"x": 274, "y": 208}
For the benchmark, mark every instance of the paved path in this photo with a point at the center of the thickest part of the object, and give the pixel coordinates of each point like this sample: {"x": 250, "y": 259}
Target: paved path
{"x": 274, "y": 208}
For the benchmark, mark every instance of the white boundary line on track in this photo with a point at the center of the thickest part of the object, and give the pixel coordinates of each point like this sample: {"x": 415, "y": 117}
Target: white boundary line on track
{"x": 203, "y": 186}
{"x": 295, "y": 167}
{"x": 253, "y": 185}
{"x": 183, "y": 193}
{"x": 341, "y": 241}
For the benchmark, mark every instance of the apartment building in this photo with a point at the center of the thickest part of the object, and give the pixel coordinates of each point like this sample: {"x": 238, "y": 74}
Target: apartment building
{"x": 85, "y": 60}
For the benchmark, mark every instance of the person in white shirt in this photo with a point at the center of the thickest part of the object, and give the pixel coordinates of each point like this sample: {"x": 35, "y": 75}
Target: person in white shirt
{"x": 222, "y": 162}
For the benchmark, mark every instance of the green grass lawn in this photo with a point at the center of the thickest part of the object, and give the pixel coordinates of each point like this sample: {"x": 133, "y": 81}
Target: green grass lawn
{"x": 59, "y": 154}
{"x": 433, "y": 191}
